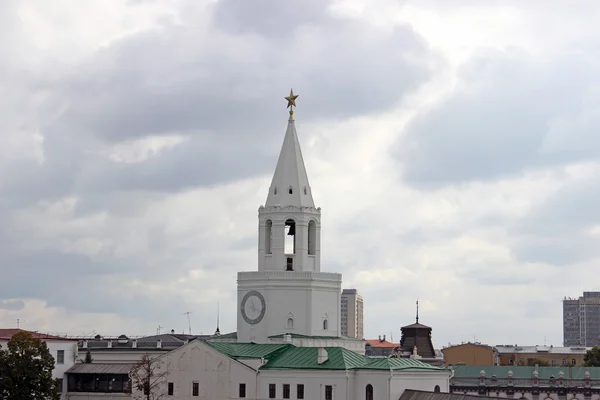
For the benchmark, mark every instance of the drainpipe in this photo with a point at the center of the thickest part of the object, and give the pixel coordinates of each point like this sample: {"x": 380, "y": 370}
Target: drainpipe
{"x": 390, "y": 385}
{"x": 347, "y": 386}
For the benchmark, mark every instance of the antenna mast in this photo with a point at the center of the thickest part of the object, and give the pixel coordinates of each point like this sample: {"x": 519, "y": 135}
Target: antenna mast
{"x": 189, "y": 321}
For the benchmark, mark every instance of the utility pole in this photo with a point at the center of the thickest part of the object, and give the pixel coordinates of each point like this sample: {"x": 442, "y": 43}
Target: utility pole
{"x": 189, "y": 321}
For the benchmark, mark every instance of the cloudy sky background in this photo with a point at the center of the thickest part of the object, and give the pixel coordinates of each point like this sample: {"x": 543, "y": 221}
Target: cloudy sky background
{"x": 453, "y": 149}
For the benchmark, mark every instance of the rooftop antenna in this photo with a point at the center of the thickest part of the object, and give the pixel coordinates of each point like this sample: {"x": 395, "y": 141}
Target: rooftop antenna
{"x": 218, "y": 331}
{"x": 18, "y": 323}
{"x": 189, "y": 321}
{"x": 158, "y": 329}
{"x": 417, "y": 311}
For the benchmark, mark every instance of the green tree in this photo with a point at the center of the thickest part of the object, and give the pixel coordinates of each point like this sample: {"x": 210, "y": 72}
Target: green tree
{"x": 26, "y": 370}
{"x": 592, "y": 357}
{"x": 88, "y": 357}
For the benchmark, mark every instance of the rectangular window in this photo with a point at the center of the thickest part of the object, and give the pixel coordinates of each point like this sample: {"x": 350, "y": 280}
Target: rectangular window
{"x": 286, "y": 391}
{"x": 564, "y": 361}
{"x": 60, "y": 356}
{"x": 328, "y": 392}
{"x": 554, "y": 363}
{"x": 59, "y": 382}
{"x": 272, "y": 390}
{"x": 242, "y": 390}
{"x": 170, "y": 389}
{"x": 573, "y": 362}
{"x": 195, "y": 388}
{"x": 300, "y": 391}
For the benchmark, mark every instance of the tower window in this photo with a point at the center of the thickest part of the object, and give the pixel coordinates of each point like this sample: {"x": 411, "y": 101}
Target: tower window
{"x": 290, "y": 237}
{"x": 305, "y": 190}
{"x": 289, "y": 266}
{"x": 325, "y": 325}
{"x": 290, "y": 323}
{"x": 290, "y": 191}
{"x": 275, "y": 190}
{"x": 369, "y": 392}
{"x": 312, "y": 237}
{"x": 268, "y": 236}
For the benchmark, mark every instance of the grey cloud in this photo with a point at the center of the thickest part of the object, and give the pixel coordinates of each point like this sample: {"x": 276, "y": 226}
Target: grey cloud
{"x": 496, "y": 121}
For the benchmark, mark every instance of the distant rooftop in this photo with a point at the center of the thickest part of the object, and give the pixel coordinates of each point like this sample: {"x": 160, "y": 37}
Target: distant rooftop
{"x": 349, "y": 291}
{"x": 6, "y": 334}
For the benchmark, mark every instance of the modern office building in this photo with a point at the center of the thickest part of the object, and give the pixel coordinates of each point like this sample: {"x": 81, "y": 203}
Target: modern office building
{"x": 352, "y": 314}
{"x": 581, "y": 320}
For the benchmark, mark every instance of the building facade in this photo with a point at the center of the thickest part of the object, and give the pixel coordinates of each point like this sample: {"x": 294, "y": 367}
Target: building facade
{"x": 352, "y": 314}
{"x": 581, "y": 320}
{"x": 471, "y": 354}
{"x": 531, "y": 355}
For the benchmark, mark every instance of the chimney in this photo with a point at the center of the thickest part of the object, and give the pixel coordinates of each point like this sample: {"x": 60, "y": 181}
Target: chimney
{"x": 287, "y": 338}
{"x": 384, "y": 338}
{"x": 380, "y": 338}
{"x": 159, "y": 344}
{"x": 322, "y": 355}
{"x": 134, "y": 344}
{"x": 85, "y": 342}
{"x": 109, "y": 344}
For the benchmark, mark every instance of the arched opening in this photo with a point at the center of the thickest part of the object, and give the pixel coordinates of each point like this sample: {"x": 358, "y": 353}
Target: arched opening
{"x": 290, "y": 323}
{"x": 325, "y": 325}
{"x": 437, "y": 389}
{"x": 290, "y": 190}
{"x": 268, "y": 236}
{"x": 290, "y": 237}
{"x": 369, "y": 392}
{"x": 312, "y": 237}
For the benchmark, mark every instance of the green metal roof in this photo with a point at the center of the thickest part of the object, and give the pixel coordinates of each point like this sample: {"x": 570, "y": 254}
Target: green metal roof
{"x": 298, "y": 336}
{"x": 246, "y": 350}
{"x": 473, "y": 371}
{"x": 339, "y": 358}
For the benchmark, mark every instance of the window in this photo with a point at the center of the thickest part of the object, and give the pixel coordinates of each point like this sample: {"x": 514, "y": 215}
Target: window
{"x": 170, "y": 389}
{"x": 437, "y": 389}
{"x": 59, "y": 383}
{"x": 268, "y": 237}
{"x": 564, "y": 361}
{"x": 286, "y": 391}
{"x": 573, "y": 362}
{"x": 325, "y": 325}
{"x": 243, "y": 390}
{"x": 328, "y": 392}
{"x": 272, "y": 390}
{"x": 289, "y": 246}
{"x": 290, "y": 323}
{"x": 60, "y": 356}
{"x": 275, "y": 190}
{"x": 369, "y": 392}
{"x": 195, "y": 388}
{"x": 554, "y": 363}
{"x": 305, "y": 190}
{"x": 300, "y": 391}
{"x": 290, "y": 191}
{"x": 312, "y": 237}
{"x": 289, "y": 266}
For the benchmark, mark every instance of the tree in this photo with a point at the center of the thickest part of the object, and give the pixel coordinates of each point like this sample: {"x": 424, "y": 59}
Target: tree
{"x": 592, "y": 357}
{"x": 148, "y": 378}
{"x": 536, "y": 361}
{"x": 26, "y": 370}
{"x": 88, "y": 358}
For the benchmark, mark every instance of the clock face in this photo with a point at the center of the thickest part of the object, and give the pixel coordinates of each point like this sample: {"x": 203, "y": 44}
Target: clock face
{"x": 253, "y": 307}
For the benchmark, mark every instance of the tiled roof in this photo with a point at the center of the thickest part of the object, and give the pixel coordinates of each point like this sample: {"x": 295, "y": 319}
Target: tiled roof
{"x": 380, "y": 343}
{"x": 338, "y": 358}
{"x": 470, "y": 371}
{"x": 246, "y": 350}
{"x": 6, "y": 334}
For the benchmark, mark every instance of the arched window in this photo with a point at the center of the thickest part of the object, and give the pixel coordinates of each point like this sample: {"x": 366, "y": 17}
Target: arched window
{"x": 437, "y": 389}
{"x": 290, "y": 323}
{"x": 290, "y": 190}
{"x": 268, "y": 236}
{"x": 290, "y": 237}
{"x": 325, "y": 325}
{"x": 369, "y": 392}
{"x": 312, "y": 237}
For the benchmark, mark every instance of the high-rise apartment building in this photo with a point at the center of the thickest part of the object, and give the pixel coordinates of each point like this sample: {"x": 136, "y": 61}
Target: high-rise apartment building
{"x": 581, "y": 320}
{"x": 352, "y": 314}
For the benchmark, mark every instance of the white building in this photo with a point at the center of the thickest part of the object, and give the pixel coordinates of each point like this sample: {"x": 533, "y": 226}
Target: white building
{"x": 289, "y": 343}
{"x": 352, "y": 314}
{"x": 63, "y": 350}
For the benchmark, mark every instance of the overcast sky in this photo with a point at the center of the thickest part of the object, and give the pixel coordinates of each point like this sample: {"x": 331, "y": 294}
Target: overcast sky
{"x": 453, "y": 148}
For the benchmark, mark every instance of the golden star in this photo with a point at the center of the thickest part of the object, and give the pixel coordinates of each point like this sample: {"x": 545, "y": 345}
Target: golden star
{"x": 291, "y": 99}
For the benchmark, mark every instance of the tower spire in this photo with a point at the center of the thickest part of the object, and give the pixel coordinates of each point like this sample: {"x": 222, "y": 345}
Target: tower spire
{"x": 218, "y": 331}
{"x": 417, "y": 311}
{"x": 290, "y": 186}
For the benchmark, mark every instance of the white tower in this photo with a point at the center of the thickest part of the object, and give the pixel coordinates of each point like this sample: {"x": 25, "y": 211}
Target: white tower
{"x": 288, "y": 294}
